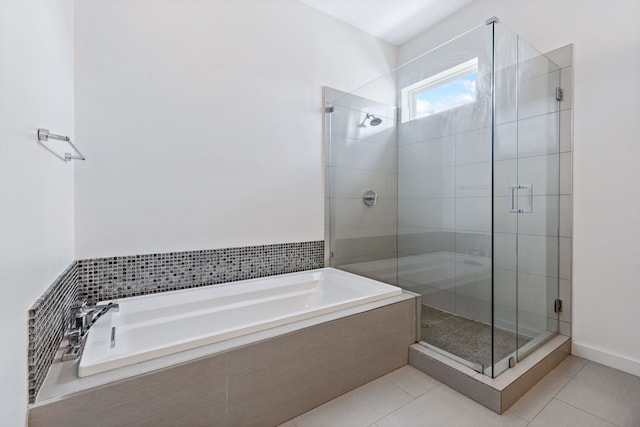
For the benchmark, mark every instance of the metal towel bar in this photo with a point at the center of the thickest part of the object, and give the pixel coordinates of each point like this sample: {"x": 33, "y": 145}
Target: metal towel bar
{"x": 44, "y": 135}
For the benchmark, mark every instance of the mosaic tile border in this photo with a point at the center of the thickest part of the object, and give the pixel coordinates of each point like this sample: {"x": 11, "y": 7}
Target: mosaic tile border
{"x": 46, "y": 326}
{"x": 120, "y": 277}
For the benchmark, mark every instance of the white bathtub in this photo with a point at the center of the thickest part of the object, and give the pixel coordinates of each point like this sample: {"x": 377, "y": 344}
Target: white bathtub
{"x": 157, "y": 325}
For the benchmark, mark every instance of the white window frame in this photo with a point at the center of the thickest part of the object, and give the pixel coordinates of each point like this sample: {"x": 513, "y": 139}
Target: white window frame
{"x": 410, "y": 93}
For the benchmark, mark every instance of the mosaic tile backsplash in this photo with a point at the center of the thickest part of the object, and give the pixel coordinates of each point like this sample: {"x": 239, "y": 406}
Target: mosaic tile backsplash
{"x": 46, "y": 326}
{"x": 119, "y": 277}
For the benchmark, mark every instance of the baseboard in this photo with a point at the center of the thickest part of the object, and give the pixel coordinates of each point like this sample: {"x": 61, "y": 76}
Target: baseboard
{"x": 612, "y": 360}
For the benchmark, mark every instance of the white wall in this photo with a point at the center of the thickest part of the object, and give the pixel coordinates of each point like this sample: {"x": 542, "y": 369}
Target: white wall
{"x": 606, "y": 201}
{"x": 201, "y": 120}
{"x": 36, "y": 188}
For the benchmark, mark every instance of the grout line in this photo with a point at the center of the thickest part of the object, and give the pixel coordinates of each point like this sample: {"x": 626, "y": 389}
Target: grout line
{"x": 518, "y": 416}
{"x": 368, "y": 140}
{"x": 586, "y": 412}
{"x": 226, "y": 397}
{"x": 410, "y": 401}
{"x": 421, "y": 394}
{"x": 570, "y": 379}
{"x": 540, "y": 411}
{"x": 394, "y": 385}
{"x": 561, "y": 388}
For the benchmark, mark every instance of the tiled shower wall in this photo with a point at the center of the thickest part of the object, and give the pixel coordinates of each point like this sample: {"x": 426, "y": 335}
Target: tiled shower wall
{"x": 360, "y": 157}
{"x": 120, "y": 277}
{"x": 445, "y": 187}
{"x": 563, "y": 58}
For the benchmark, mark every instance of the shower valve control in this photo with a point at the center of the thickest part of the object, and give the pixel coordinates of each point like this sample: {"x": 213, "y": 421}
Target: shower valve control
{"x": 370, "y": 197}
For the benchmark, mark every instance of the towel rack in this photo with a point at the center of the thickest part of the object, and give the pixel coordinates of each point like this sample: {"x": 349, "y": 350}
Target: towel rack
{"x": 44, "y": 135}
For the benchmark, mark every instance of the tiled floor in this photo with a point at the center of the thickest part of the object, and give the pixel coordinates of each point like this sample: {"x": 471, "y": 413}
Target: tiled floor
{"x": 468, "y": 339}
{"x": 576, "y": 393}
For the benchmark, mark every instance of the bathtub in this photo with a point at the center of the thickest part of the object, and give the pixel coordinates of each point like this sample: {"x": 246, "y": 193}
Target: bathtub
{"x": 153, "y": 326}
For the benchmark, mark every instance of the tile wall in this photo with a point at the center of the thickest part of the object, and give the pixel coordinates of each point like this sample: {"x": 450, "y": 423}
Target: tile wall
{"x": 360, "y": 157}
{"x": 527, "y": 152}
{"x": 120, "y": 277}
{"x": 47, "y": 320}
{"x": 563, "y": 58}
{"x": 445, "y": 188}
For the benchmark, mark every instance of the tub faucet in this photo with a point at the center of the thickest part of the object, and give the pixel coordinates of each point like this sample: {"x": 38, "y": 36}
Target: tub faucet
{"x": 82, "y": 317}
{"x": 98, "y": 310}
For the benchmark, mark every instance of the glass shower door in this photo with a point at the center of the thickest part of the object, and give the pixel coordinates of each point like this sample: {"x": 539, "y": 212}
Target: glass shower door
{"x": 444, "y": 194}
{"x": 538, "y": 197}
{"x": 443, "y": 178}
{"x": 526, "y": 200}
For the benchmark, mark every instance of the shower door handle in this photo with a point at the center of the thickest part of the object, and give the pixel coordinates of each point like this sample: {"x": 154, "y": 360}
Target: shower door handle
{"x": 529, "y": 188}
{"x": 512, "y": 198}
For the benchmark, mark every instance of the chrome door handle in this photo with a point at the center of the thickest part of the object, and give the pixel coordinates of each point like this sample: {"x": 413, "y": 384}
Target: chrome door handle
{"x": 529, "y": 188}
{"x": 512, "y": 198}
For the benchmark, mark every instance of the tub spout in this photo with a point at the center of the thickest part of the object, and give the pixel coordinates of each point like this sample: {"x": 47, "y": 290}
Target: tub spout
{"x": 82, "y": 317}
{"x": 99, "y": 310}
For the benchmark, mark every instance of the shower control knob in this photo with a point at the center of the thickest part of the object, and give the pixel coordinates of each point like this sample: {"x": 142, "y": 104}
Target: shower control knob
{"x": 369, "y": 197}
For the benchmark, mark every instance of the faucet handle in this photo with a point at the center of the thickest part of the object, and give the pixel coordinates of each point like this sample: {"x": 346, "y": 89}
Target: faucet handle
{"x": 79, "y": 316}
{"x": 74, "y": 336}
{"x": 79, "y": 303}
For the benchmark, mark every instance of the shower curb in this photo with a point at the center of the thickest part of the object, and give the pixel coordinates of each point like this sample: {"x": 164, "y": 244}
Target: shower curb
{"x": 497, "y": 394}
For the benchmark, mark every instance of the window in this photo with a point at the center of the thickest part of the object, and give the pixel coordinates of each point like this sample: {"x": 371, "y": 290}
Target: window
{"x": 448, "y": 89}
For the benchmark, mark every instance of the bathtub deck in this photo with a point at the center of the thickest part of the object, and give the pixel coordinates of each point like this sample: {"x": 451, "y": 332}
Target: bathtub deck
{"x": 262, "y": 380}
{"x": 63, "y": 380}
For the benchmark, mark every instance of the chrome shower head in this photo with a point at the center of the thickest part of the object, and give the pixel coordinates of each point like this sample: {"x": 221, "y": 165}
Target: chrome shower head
{"x": 375, "y": 121}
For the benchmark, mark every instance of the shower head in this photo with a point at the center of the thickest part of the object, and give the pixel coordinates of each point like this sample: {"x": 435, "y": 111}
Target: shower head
{"x": 375, "y": 121}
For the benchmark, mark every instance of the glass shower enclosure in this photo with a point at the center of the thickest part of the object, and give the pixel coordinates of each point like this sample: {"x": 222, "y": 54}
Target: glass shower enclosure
{"x": 443, "y": 179}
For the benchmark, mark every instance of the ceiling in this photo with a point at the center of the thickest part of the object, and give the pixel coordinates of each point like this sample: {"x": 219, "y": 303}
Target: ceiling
{"x": 394, "y": 21}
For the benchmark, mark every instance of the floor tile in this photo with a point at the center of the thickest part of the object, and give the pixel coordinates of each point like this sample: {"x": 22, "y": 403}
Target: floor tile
{"x": 466, "y": 338}
{"x": 360, "y": 407}
{"x": 606, "y": 393}
{"x": 445, "y": 327}
{"x": 443, "y": 407}
{"x": 468, "y": 341}
{"x": 535, "y": 399}
{"x": 593, "y": 395}
{"x": 412, "y": 380}
{"x": 430, "y": 315}
{"x": 560, "y": 414}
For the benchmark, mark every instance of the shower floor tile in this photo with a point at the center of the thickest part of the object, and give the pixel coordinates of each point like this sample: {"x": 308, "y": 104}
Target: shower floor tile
{"x": 466, "y": 338}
